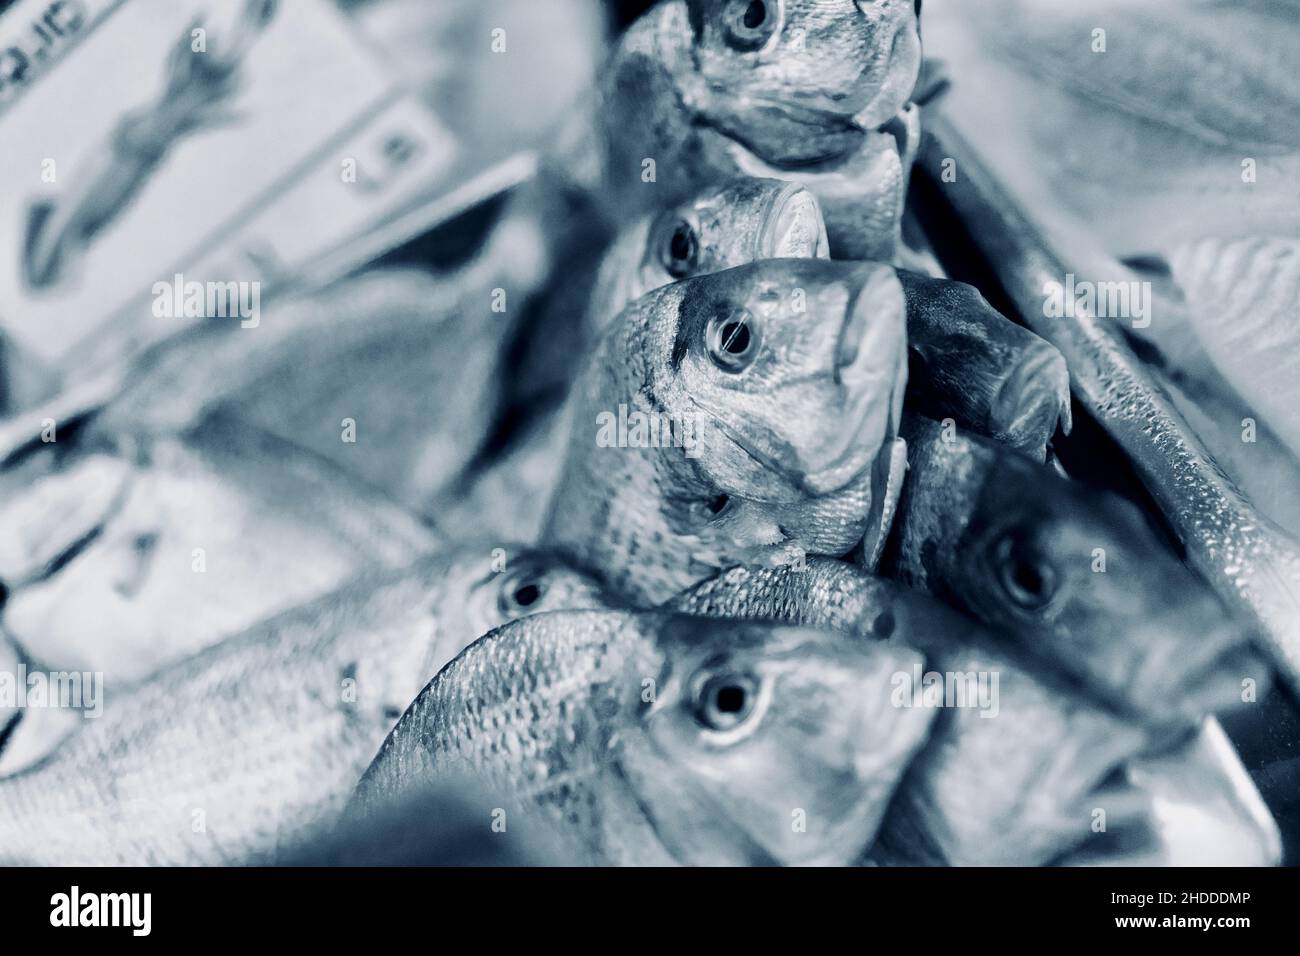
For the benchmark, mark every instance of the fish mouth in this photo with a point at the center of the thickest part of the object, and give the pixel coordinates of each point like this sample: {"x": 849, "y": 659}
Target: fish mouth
{"x": 790, "y": 136}
{"x": 1205, "y": 678}
{"x": 1034, "y": 402}
{"x": 864, "y": 368}
{"x": 793, "y": 227}
{"x": 899, "y": 81}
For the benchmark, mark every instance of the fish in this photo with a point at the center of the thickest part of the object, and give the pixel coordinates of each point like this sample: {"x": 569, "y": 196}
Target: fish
{"x": 190, "y": 539}
{"x": 815, "y": 92}
{"x": 1014, "y": 778}
{"x": 742, "y": 220}
{"x": 233, "y": 754}
{"x": 1074, "y": 574}
{"x": 449, "y": 823}
{"x": 651, "y": 738}
{"x": 1251, "y": 563}
{"x": 774, "y": 390}
{"x": 971, "y": 364}
{"x": 1130, "y": 126}
{"x": 1249, "y": 452}
{"x": 967, "y": 360}
{"x": 735, "y": 223}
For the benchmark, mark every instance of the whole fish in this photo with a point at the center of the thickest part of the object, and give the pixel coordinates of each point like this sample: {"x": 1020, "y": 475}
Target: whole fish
{"x": 815, "y": 91}
{"x": 654, "y": 738}
{"x": 195, "y": 538}
{"x": 1075, "y": 575}
{"x": 233, "y": 753}
{"x": 745, "y": 416}
{"x": 1014, "y": 775}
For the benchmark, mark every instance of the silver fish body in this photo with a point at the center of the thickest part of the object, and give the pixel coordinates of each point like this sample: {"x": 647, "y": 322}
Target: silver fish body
{"x": 782, "y": 382}
{"x": 654, "y": 738}
{"x": 235, "y": 753}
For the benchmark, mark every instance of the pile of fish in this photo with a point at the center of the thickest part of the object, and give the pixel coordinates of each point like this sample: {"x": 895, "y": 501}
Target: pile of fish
{"x": 747, "y": 533}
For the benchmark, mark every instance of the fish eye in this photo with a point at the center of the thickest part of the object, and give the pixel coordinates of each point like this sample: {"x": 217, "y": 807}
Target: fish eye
{"x": 732, "y": 340}
{"x": 520, "y": 593}
{"x": 679, "y": 250}
{"x": 702, "y": 512}
{"x": 725, "y": 701}
{"x": 750, "y": 23}
{"x": 1025, "y": 578}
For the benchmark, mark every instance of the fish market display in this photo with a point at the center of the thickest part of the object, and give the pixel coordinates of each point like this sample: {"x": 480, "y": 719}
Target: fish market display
{"x": 1015, "y": 772}
{"x": 1253, "y": 564}
{"x": 654, "y": 432}
{"x": 659, "y": 738}
{"x": 239, "y": 749}
{"x": 966, "y": 360}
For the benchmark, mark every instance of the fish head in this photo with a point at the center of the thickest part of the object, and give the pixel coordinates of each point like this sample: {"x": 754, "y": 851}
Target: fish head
{"x": 1083, "y": 575}
{"x": 766, "y": 743}
{"x": 746, "y": 220}
{"x": 799, "y": 82}
{"x": 479, "y": 589}
{"x": 741, "y": 221}
{"x": 447, "y": 600}
{"x": 791, "y": 370}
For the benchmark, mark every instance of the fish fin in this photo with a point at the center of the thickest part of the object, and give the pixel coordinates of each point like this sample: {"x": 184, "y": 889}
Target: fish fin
{"x": 894, "y": 462}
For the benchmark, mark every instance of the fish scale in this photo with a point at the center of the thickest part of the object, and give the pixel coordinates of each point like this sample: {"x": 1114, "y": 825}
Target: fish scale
{"x": 262, "y": 732}
{"x": 624, "y": 763}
